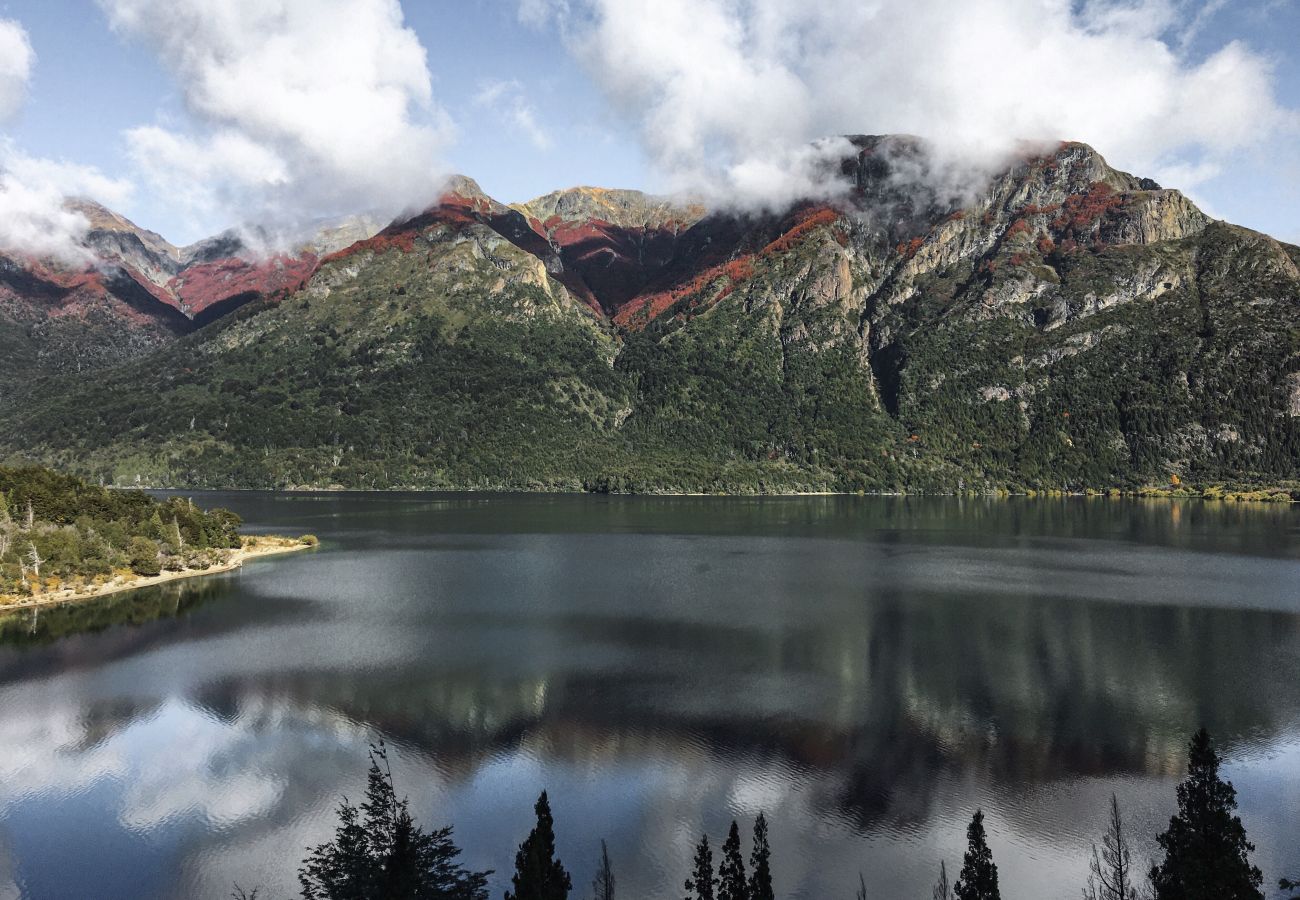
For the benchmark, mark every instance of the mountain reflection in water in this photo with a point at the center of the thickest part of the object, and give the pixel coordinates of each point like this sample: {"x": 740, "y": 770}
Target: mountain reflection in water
{"x": 866, "y": 670}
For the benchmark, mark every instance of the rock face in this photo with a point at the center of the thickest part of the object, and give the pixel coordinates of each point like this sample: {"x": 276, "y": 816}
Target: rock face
{"x": 1055, "y": 324}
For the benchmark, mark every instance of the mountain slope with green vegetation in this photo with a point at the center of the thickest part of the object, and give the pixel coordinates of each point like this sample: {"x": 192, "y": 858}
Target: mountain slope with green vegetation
{"x": 1067, "y": 327}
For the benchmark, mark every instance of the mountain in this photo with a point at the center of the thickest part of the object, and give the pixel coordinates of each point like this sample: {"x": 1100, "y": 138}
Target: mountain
{"x": 1059, "y": 325}
{"x": 139, "y": 292}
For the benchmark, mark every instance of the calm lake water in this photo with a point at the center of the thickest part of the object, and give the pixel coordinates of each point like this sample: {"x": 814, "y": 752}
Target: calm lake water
{"x": 867, "y": 671}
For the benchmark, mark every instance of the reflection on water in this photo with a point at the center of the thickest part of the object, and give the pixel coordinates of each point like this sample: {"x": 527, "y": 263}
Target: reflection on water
{"x": 866, "y": 670}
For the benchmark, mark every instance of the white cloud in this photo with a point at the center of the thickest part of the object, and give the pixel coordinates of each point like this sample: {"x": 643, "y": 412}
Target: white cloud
{"x": 508, "y": 101}
{"x": 33, "y": 218}
{"x": 725, "y": 90}
{"x": 302, "y": 108}
{"x": 16, "y": 60}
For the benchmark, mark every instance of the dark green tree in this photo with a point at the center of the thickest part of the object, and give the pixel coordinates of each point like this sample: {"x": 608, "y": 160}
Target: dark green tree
{"x": 760, "y": 863}
{"x": 701, "y": 883}
{"x": 539, "y": 875}
{"x": 144, "y": 556}
{"x": 1207, "y": 856}
{"x": 731, "y": 870}
{"x": 379, "y": 853}
{"x": 602, "y": 886}
{"x": 978, "y": 879}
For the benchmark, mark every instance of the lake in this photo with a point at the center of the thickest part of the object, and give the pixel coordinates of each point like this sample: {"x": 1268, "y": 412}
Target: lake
{"x": 867, "y": 671}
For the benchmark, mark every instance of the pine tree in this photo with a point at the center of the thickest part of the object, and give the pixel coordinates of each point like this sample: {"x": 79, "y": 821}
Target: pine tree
{"x": 978, "y": 879}
{"x": 602, "y": 886}
{"x": 1207, "y": 856}
{"x": 1109, "y": 877}
{"x": 538, "y": 874}
{"x": 379, "y": 853}
{"x": 760, "y": 862}
{"x": 731, "y": 871}
{"x": 701, "y": 883}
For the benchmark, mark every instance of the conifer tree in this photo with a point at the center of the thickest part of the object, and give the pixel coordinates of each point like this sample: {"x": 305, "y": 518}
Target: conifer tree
{"x": 1110, "y": 877}
{"x": 602, "y": 886}
{"x": 731, "y": 871}
{"x": 538, "y": 874}
{"x": 701, "y": 883}
{"x": 379, "y": 853}
{"x": 1207, "y": 856}
{"x": 978, "y": 879}
{"x": 760, "y": 863}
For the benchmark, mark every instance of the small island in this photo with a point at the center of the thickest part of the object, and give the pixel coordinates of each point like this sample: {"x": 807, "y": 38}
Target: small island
{"x": 64, "y": 539}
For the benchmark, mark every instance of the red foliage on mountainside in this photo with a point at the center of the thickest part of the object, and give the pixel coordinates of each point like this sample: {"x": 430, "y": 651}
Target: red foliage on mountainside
{"x": 805, "y": 221}
{"x": 32, "y": 289}
{"x": 1081, "y": 212}
{"x": 201, "y": 286}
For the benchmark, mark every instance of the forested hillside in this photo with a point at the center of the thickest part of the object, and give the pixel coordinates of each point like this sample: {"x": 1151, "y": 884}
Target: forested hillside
{"x": 1068, "y": 326}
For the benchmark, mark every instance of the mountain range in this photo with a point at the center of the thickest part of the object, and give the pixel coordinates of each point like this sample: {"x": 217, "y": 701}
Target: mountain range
{"x": 1060, "y": 324}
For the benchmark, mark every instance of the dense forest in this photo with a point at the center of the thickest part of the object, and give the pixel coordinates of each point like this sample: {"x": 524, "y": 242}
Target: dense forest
{"x": 380, "y": 853}
{"x": 58, "y": 531}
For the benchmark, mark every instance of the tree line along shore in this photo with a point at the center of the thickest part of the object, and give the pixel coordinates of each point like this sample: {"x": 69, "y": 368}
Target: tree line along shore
{"x": 62, "y": 538}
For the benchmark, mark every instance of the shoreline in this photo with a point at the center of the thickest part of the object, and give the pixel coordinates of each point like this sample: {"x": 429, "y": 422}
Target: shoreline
{"x": 254, "y": 547}
{"x": 1266, "y": 495}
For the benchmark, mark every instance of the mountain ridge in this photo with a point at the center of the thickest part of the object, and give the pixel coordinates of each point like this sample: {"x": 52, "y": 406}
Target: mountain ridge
{"x": 1067, "y": 326}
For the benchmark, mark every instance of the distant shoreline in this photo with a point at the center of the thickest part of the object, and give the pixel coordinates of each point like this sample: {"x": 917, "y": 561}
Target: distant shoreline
{"x": 254, "y": 546}
{"x": 1272, "y": 494}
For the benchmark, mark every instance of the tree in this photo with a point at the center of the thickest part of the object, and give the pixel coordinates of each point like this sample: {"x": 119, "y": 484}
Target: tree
{"x": 701, "y": 883}
{"x": 978, "y": 879}
{"x": 941, "y": 890}
{"x": 538, "y": 874}
{"x": 602, "y": 886}
{"x": 1109, "y": 877}
{"x": 731, "y": 871}
{"x": 143, "y": 553}
{"x": 760, "y": 871}
{"x": 1207, "y": 856}
{"x": 34, "y": 560}
{"x": 379, "y": 853}
{"x": 1289, "y": 884}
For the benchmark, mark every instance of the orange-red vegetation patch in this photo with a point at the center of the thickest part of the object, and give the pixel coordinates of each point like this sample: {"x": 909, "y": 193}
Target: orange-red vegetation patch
{"x": 811, "y": 219}
{"x": 388, "y": 239}
{"x": 1019, "y": 226}
{"x": 203, "y": 285}
{"x": 1033, "y": 209}
{"x": 1081, "y": 212}
{"x": 1045, "y": 245}
{"x": 642, "y": 310}
{"x": 907, "y": 249}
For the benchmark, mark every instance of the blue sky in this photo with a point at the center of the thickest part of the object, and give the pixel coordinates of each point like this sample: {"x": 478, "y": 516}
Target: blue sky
{"x": 576, "y": 95}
